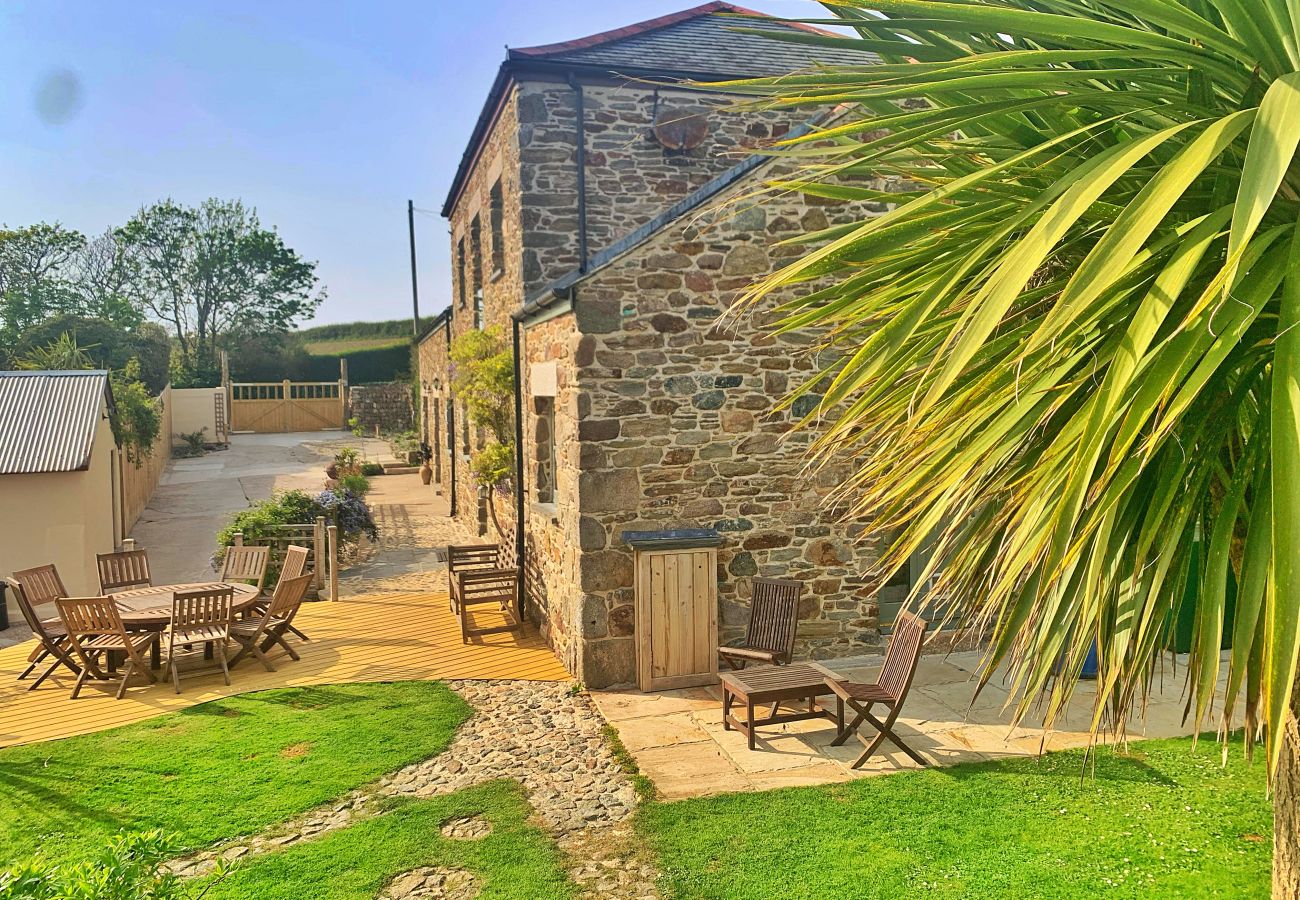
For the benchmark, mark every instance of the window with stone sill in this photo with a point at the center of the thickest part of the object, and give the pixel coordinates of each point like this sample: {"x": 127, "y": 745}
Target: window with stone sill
{"x": 544, "y": 451}
{"x": 496, "y": 222}
{"x": 460, "y": 273}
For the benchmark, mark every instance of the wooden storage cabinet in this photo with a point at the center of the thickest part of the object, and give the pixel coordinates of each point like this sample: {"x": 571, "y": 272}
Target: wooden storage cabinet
{"x": 676, "y": 608}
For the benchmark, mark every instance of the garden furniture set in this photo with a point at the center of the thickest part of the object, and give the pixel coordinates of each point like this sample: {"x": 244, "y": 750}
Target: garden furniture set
{"x": 769, "y": 639}
{"x": 133, "y": 617}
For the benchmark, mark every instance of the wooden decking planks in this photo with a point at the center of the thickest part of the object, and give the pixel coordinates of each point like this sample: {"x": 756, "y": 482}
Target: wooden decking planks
{"x": 374, "y": 637}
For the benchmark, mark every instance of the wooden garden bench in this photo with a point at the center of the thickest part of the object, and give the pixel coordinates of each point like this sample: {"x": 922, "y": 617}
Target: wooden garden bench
{"x": 477, "y": 587}
{"x": 467, "y": 557}
{"x": 889, "y": 690}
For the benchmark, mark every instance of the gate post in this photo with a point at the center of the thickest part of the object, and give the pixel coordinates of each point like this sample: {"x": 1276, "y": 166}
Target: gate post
{"x": 343, "y": 392}
{"x": 285, "y": 404}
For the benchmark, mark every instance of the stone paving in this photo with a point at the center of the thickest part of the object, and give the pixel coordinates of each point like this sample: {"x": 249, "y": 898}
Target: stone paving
{"x": 678, "y": 740}
{"x": 537, "y": 733}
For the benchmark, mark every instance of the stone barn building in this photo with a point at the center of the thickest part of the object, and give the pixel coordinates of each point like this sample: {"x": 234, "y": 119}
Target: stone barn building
{"x": 599, "y": 219}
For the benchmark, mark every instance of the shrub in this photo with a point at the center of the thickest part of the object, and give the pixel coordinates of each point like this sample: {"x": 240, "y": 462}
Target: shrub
{"x": 371, "y": 469}
{"x": 195, "y": 443}
{"x": 130, "y": 868}
{"x": 344, "y": 508}
{"x": 357, "y": 484}
{"x": 346, "y": 462}
{"x": 350, "y": 513}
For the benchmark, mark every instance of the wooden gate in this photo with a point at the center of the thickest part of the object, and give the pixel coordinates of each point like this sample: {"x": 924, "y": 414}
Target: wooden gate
{"x": 280, "y": 406}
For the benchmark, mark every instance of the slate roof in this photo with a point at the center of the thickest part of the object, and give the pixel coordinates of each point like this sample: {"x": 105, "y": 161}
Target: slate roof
{"x": 48, "y": 420}
{"x": 698, "y": 43}
{"x": 701, "y": 40}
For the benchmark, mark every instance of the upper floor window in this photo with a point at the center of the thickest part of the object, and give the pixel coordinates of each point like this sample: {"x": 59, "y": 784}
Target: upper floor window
{"x": 460, "y": 273}
{"x": 496, "y": 221}
{"x": 476, "y": 264}
{"x": 544, "y": 448}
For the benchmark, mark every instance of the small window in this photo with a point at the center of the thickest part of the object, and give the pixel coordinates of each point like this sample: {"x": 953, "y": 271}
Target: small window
{"x": 496, "y": 221}
{"x": 544, "y": 448}
{"x": 461, "y": 274}
{"x": 476, "y": 265}
{"x": 464, "y": 428}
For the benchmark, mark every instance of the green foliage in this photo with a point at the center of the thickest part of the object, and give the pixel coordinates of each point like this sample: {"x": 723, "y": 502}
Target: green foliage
{"x": 130, "y": 867}
{"x": 370, "y": 469}
{"x": 343, "y": 508}
{"x": 1164, "y": 820}
{"x": 404, "y": 443}
{"x": 494, "y": 465}
{"x": 1068, "y": 352}
{"x": 217, "y": 770}
{"x": 357, "y": 483}
{"x": 195, "y": 443}
{"x": 397, "y": 329}
{"x": 213, "y": 273}
{"x": 138, "y": 420}
{"x": 108, "y": 345}
{"x": 484, "y": 380}
{"x": 347, "y": 461}
{"x": 61, "y": 355}
{"x": 365, "y": 366}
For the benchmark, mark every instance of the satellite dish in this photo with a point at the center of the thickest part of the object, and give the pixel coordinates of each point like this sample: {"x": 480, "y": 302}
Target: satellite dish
{"x": 681, "y": 128}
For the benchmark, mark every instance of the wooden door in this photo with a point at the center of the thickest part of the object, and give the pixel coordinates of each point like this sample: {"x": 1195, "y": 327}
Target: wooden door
{"x": 677, "y": 618}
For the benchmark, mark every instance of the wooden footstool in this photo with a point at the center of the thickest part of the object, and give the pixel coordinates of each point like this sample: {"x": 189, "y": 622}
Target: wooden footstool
{"x": 770, "y": 685}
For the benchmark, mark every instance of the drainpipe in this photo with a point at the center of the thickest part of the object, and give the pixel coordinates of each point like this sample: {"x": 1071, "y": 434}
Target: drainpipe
{"x": 520, "y": 545}
{"x": 451, "y": 420}
{"x": 580, "y": 122}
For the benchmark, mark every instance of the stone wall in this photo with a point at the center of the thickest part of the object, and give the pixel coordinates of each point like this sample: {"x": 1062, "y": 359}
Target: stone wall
{"x": 630, "y": 176}
{"x": 386, "y": 405}
{"x": 678, "y": 429}
{"x": 432, "y": 365}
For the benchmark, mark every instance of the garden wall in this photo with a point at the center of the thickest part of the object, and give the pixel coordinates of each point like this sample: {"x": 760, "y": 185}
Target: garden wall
{"x": 383, "y": 406}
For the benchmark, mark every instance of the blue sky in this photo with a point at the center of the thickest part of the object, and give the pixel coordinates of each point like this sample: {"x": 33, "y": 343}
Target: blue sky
{"x": 325, "y": 116}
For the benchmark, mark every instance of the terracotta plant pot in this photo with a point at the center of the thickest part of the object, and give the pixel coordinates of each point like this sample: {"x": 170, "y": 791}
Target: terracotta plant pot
{"x": 426, "y": 473}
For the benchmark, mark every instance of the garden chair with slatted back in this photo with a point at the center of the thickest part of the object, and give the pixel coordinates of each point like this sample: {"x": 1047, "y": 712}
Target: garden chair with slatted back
{"x": 476, "y": 587}
{"x": 201, "y": 616}
{"x": 293, "y": 565}
{"x": 33, "y": 587}
{"x": 258, "y": 635}
{"x": 889, "y": 690}
{"x": 466, "y": 557}
{"x": 773, "y": 622}
{"x": 95, "y": 629}
{"x": 123, "y": 571}
{"x": 245, "y": 565}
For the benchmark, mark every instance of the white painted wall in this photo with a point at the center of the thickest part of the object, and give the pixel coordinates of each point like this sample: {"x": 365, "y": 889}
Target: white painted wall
{"x": 192, "y": 409}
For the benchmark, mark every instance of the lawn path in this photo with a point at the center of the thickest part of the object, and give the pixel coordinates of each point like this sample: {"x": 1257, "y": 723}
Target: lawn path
{"x": 535, "y": 733}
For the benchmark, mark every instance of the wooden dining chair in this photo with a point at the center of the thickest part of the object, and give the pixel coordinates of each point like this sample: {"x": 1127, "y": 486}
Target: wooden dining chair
{"x": 889, "y": 690}
{"x": 124, "y": 570}
{"x": 31, "y": 588}
{"x": 245, "y": 565}
{"x": 201, "y": 616}
{"x": 465, "y": 557}
{"x": 292, "y": 566}
{"x": 258, "y": 635}
{"x": 773, "y": 623}
{"x": 95, "y": 630}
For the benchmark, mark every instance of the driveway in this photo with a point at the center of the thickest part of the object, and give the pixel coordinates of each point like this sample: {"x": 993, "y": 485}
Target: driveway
{"x": 197, "y": 497}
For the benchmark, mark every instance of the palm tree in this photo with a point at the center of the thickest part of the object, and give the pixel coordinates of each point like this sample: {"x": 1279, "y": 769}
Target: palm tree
{"x": 1067, "y": 352}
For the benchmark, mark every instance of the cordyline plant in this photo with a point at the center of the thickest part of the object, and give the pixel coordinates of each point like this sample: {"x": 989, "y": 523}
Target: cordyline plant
{"x": 1069, "y": 349}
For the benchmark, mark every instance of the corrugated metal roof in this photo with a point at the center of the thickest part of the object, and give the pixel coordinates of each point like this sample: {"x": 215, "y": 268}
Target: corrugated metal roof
{"x": 48, "y": 420}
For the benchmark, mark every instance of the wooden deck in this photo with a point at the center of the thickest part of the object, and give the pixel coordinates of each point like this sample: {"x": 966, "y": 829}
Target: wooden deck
{"x": 377, "y": 637}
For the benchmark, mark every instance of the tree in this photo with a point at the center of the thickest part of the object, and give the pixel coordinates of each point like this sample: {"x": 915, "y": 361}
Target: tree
{"x": 212, "y": 273}
{"x": 107, "y": 345}
{"x": 35, "y": 281}
{"x": 1068, "y": 352}
{"x": 485, "y": 380}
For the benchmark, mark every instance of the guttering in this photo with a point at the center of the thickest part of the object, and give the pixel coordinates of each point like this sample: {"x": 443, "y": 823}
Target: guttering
{"x": 580, "y": 138}
{"x": 520, "y": 543}
{"x": 451, "y": 421}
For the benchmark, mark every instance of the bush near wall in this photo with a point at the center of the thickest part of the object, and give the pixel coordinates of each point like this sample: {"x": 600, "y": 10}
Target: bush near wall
{"x": 364, "y": 366}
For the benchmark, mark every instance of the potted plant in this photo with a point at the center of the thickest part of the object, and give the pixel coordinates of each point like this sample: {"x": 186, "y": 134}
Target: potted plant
{"x": 426, "y": 454}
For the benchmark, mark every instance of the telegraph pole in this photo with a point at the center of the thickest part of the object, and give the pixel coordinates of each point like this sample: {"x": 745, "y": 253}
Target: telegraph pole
{"x": 415, "y": 287}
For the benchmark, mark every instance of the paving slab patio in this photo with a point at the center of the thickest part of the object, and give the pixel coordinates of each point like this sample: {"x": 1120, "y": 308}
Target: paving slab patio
{"x": 678, "y": 739}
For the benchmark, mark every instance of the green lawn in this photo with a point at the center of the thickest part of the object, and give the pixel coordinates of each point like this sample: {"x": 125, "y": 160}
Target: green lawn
{"x": 217, "y": 770}
{"x": 517, "y": 860}
{"x": 1163, "y": 822}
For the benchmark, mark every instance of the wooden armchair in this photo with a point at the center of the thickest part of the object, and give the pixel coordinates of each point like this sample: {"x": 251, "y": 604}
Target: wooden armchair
{"x": 31, "y": 588}
{"x": 95, "y": 630}
{"x": 476, "y": 587}
{"x": 467, "y": 557}
{"x": 122, "y": 571}
{"x": 889, "y": 690}
{"x": 773, "y": 622}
